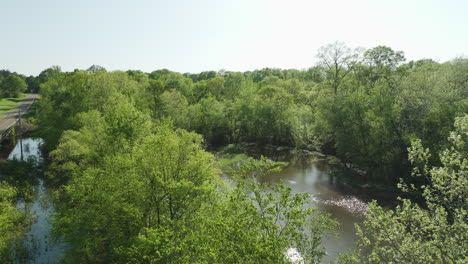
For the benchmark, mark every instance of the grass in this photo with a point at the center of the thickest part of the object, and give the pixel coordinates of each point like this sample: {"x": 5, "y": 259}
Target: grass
{"x": 225, "y": 162}
{"x": 8, "y": 104}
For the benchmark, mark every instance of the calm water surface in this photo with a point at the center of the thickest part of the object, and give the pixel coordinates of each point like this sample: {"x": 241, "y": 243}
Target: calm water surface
{"x": 311, "y": 173}
{"x": 37, "y": 240}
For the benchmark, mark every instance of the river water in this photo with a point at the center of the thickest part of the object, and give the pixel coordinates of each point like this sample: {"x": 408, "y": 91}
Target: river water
{"x": 37, "y": 241}
{"x": 311, "y": 173}
{"x": 305, "y": 172}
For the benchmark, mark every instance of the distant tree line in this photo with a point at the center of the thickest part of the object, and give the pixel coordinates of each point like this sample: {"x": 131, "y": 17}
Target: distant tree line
{"x": 13, "y": 84}
{"x": 364, "y": 106}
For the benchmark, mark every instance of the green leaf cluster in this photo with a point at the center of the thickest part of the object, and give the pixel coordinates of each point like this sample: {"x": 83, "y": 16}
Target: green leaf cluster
{"x": 433, "y": 232}
{"x": 11, "y": 221}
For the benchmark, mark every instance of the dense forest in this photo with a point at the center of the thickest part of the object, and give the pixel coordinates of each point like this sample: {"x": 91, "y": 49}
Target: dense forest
{"x": 135, "y": 184}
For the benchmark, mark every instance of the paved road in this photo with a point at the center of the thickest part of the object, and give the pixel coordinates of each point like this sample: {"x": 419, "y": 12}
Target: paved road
{"x": 9, "y": 119}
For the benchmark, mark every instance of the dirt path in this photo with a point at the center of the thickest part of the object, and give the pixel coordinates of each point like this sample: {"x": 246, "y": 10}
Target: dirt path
{"x": 9, "y": 119}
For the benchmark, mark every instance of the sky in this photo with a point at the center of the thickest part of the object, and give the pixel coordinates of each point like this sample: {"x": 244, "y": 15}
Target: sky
{"x": 237, "y": 35}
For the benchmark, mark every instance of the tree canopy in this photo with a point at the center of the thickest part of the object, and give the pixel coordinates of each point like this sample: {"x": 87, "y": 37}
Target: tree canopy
{"x": 435, "y": 231}
{"x": 12, "y": 86}
{"x": 127, "y": 154}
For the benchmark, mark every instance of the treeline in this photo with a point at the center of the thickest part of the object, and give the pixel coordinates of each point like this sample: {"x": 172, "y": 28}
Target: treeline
{"x": 12, "y": 84}
{"x": 365, "y": 107}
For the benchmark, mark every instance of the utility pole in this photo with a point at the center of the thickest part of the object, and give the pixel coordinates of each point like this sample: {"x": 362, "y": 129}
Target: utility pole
{"x": 19, "y": 132}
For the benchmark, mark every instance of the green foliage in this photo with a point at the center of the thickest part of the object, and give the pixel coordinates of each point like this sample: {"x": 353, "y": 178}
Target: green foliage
{"x": 285, "y": 220}
{"x": 11, "y": 221}
{"x": 364, "y": 109}
{"x": 9, "y": 104}
{"x": 208, "y": 117}
{"x": 17, "y": 174}
{"x": 382, "y": 105}
{"x": 12, "y": 86}
{"x": 436, "y": 233}
{"x": 173, "y": 104}
{"x": 135, "y": 190}
{"x": 65, "y": 97}
{"x": 160, "y": 202}
{"x": 211, "y": 87}
{"x": 49, "y": 74}
{"x": 138, "y": 190}
{"x": 244, "y": 224}
{"x": 137, "y": 186}
{"x": 227, "y": 162}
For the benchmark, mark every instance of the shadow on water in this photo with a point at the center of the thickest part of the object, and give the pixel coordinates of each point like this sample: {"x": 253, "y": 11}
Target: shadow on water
{"x": 23, "y": 168}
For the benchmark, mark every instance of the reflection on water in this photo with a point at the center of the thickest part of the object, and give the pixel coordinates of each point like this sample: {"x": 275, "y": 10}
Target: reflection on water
{"x": 312, "y": 174}
{"x": 351, "y": 203}
{"x": 37, "y": 240}
{"x": 27, "y": 149}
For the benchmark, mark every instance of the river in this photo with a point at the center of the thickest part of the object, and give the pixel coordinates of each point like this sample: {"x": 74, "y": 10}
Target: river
{"x": 305, "y": 172}
{"x": 311, "y": 173}
{"x": 37, "y": 243}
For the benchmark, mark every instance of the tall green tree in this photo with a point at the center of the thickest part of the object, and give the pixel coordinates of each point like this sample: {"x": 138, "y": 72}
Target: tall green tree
{"x": 12, "y": 86}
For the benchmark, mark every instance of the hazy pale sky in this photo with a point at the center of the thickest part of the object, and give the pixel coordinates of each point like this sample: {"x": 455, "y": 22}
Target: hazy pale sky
{"x": 194, "y": 36}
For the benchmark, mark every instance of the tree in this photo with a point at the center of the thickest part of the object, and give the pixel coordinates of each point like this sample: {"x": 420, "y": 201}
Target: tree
{"x": 49, "y": 73}
{"x": 173, "y": 80}
{"x": 11, "y": 220}
{"x": 437, "y": 230}
{"x": 33, "y": 84}
{"x": 338, "y": 60}
{"x": 235, "y": 82}
{"x": 208, "y": 118}
{"x": 211, "y": 87}
{"x": 13, "y": 86}
{"x": 381, "y": 62}
{"x": 242, "y": 224}
{"x": 314, "y": 74}
{"x": 173, "y": 104}
{"x": 382, "y": 56}
{"x": 114, "y": 194}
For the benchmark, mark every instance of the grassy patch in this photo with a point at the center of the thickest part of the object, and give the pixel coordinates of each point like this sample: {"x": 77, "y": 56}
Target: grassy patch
{"x": 8, "y": 104}
{"x": 228, "y": 161}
